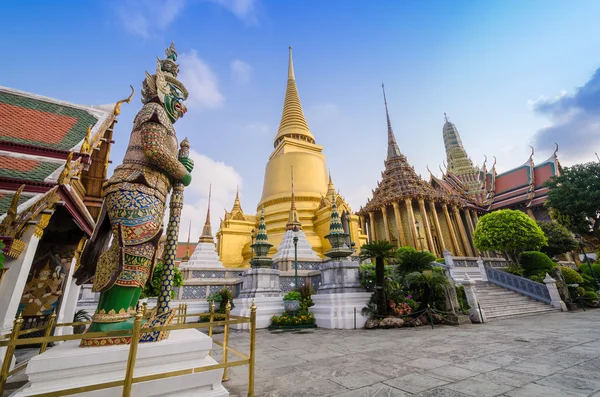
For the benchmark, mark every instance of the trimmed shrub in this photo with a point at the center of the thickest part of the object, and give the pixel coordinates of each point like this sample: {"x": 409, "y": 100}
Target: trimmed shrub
{"x": 292, "y": 296}
{"x": 535, "y": 262}
{"x": 570, "y": 275}
{"x": 590, "y": 295}
{"x": 585, "y": 269}
{"x": 538, "y": 277}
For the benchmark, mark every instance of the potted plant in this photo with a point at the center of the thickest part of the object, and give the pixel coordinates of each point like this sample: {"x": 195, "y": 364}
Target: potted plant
{"x": 291, "y": 301}
{"x": 80, "y": 317}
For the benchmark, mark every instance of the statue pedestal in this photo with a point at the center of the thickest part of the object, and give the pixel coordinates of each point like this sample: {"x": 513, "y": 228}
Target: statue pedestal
{"x": 68, "y": 365}
{"x": 262, "y": 286}
{"x": 339, "y": 294}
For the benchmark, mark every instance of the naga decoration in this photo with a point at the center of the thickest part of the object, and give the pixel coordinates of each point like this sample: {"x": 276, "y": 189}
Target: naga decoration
{"x": 134, "y": 204}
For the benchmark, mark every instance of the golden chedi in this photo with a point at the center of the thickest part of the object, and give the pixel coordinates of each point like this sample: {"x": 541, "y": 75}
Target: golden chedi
{"x": 295, "y": 151}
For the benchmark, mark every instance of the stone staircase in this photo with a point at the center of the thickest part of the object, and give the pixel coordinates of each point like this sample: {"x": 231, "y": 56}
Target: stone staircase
{"x": 498, "y": 302}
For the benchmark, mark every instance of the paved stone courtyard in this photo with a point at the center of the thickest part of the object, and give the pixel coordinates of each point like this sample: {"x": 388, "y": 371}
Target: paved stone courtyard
{"x": 550, "y": 355}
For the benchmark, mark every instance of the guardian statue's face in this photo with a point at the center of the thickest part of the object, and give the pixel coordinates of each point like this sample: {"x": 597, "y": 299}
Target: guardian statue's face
{"x": 173, "y": 101}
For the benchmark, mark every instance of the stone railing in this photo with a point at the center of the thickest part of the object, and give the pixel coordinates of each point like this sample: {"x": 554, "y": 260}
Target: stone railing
{"x": 519, "y": 284}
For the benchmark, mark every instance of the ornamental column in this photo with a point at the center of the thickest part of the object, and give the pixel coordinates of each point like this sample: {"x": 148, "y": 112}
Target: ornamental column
{"x": 471, "y": 227}
{"x": 436, "y": 223}
{"x": 426, "y": 225}
{"x": 462, "y": 231}
{"x": 458, "y": 251}
{"x": 363, "y": 225}
{"x": 385, "y": 223}
{"x": 411, "y": 222}
{"x": 372, "y": 226}
{"x": 401, "y": 235}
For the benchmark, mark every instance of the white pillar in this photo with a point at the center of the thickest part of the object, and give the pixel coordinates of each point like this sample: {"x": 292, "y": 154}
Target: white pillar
{"x": 14, "y": 280}
{"x": 449, "y": 262}
{"x": 476, "y": 314}
{"x": 482, "y": 269}
{"x": 554, "y": 295}
{"x": 69, "y": 302}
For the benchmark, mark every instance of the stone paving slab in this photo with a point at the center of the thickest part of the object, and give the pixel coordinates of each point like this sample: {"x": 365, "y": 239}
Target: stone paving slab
{"x": 555, "y": 354}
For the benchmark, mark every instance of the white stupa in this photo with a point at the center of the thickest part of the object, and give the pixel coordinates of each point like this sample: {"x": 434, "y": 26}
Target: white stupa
{"x": 285, "y": 251}
{"x": 205, "y": 254}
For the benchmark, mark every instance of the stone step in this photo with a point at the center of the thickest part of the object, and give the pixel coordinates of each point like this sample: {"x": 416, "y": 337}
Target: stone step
{"x": 502, "y": 315}
{"x": 507, "y": 299}
{"x": 515, "y": 306}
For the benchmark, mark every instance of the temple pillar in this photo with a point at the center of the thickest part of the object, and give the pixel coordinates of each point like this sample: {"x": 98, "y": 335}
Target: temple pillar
{"x": 458, "y": 251}
{"x": 471, "y": 228}
{"x": 402, "y": 237}
{"x": 436, "y": 223}
{"x": 69, "y": 302}
{"x": 462, "y": 231}
{"x": 372, "y": 226}
{"x": 411, "y": 222}
{"x": 363, "y": 225}
{"x": 385, "y": 223}
{"x": 427, "y": 227}
{"x": 531, "y": 214}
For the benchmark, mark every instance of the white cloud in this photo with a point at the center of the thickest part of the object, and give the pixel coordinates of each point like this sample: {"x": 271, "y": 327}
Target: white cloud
{"x": 200, "y": 81}
{"x": 146, "y": 17}
{"x": 246, "y": 10}
{"x": 257, "y": 128}
{"x": 241, "y": 71}
{"x": 224, "y": 180}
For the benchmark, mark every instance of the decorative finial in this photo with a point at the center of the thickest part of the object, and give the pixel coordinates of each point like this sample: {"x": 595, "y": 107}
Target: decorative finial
{"x": 555, "y": 151}
{"x": 117, "y": 109}
{"x": 597, "y": 156}
{"x": 291, "y": 67}
{"x": 171, "y": 52}
{"x": 445, "y": 117}
{"x": 430, "y": 173}
{"x": 393, "y": 149}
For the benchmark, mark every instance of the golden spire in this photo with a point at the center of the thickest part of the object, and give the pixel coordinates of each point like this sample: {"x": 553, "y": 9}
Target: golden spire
{"x": 330, "y": 187}
{"x": 393, "y": 149}
{"x": 187, "y": 250}
{"x": 293, "y": 124}
{"x": 293, "y": 218}
{"x": 206, "y": 236}
{"x": 236, "y": 203}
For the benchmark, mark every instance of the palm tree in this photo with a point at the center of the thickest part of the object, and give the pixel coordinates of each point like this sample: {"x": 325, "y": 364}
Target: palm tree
{"x": 380, "y": 250}
{"x": 427, "y": 282}
{"x": 410, "y": 260}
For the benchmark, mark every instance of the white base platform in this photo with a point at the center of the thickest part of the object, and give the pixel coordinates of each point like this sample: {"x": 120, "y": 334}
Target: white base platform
{"x": 68, "y": 365}
{"x": 336, "y": 311}
{"x": 266, "y": 307}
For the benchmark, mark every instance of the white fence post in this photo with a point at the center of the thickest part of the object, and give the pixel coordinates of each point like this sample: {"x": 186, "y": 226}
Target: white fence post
{"x": 482, "y": 269}
{"x": 449, "y": 262}
{"x": 475, "y": 312}
{"x": 554, "y": 295}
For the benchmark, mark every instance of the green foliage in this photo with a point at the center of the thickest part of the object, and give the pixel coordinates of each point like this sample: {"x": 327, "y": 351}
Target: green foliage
{"x": 427, "y": 285}
{"x": 574, "y": 197}
{"x": 81, "y": 316}
{"x": 306, "y": 292}
{"x": 292, "y": 296}
{"x": 585, "y": 269}
{"x": 222, "y": 296}
{"x": 2, "y": 257}
{"x": 570, "y": 275}
{"x": 462, "y": 299}
{"x": 560, "y": 240}
{"x": 380, "y": 250}
{"x": 440, "y": 260}
{"x": 508, "y": 231}
{"x": 534, "y": 262}
{"x": 590, "y": 295}
{"x": 152, "y": 288}
{"x": 287, "y": 319}
{"x": 514, "y": 268}
{"x": 410, "y": 260}
{"x": 366, "y": 275}
{"x": 205, "y": 318}
{"x": 538, "y": 277}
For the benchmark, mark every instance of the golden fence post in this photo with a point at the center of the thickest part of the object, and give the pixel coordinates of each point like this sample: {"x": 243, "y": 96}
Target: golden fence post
{"x": 252, "y": 349}
{"x": 226, "y": 340}
{"x": 9, "y": 352}
{"x": 212, "y": 318}
{"x": 185, "y": 313}
{"x": 48, "y": 331}
{"x": 144, "y": 308}
{"x": 135, "y": 338}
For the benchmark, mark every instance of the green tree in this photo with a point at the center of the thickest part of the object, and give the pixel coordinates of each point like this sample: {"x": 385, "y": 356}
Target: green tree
{"x": 152, "y": 288}
{"x": 574, "y": 198}
{"x": 510, "y": 232}
{"x": 380, "y": 251}
{"x": 560, "y": 240}
{"x": 426, "y": 284}
{"x": 410, "y": 260}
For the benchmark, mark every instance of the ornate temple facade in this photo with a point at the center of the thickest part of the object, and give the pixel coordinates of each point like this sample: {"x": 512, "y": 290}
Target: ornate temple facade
{"x": 408, "y": 211}
{"x": 484, "y": 190}
{"x": 295, "y": 151}
{"x": 54, "y": 158}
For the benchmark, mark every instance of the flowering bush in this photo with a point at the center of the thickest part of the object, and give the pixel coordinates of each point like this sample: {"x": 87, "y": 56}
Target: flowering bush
{"x": 400, "y": 308}
{"x": 287, "y": 319}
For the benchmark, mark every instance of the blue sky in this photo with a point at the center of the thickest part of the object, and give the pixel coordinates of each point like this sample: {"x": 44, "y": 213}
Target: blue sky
{"x": 509, "y": 74}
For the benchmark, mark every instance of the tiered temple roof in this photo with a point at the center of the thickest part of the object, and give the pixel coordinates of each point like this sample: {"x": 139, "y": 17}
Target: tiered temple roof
{"x": 519, "y": 187}
{"x": 54, "y": 148}
{"x": 399, "y": 179}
